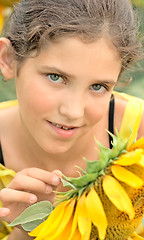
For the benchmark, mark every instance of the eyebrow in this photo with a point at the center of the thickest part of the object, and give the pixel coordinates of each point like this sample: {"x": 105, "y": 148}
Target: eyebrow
{"x": 56, "y": 70}
{"x": 108, "y": 82}
{"x": 59, "y": 71}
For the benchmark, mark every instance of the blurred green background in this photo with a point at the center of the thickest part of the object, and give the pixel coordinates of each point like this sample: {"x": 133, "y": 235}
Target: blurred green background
{"x": 136, "y": 87}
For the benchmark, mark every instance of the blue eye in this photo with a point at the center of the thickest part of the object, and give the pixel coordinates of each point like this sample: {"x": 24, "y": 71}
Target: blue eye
{"x": 98, "y": 88}
{"x": 55, "y": 78}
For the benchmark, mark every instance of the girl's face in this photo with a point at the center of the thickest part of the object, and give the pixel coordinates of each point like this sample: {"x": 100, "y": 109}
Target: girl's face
{"x": 65, "y": 91}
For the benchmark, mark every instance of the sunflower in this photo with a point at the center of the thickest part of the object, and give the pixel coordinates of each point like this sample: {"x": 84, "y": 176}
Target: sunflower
{"x": 105, "y": 202}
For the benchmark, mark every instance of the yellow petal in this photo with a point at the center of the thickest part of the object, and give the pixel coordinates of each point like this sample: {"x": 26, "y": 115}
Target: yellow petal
{"x": 141, "y": 162}
{"x": 37, "y": 230}
{"x": 65, "y": 234}
{"x": 52, "y": 223}
{"x": 140, "y": 229}
{"x": 118, "y": 196}
{"x": 130, "y": 158}
{"x": 138, "y": 144}
{"x": 96, "y": 212}
{"x": 74, "y": 224}
{"x": 136, "y": 237}
{"x": 64, "y": 221}
{"x": 126, "y": 176}
{"x": 77, "y": 235}
{"x": 84, "y": 222}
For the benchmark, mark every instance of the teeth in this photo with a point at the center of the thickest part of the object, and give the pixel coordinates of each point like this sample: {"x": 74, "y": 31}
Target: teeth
{"x": 65, "y": 128}
{"x": 59, "y": 126}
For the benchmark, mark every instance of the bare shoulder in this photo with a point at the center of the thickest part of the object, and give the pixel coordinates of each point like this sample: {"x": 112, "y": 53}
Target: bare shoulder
{"x": 6, "y": 117}
{"x": 6, "y": 109}
{"x": 8, "y": 133}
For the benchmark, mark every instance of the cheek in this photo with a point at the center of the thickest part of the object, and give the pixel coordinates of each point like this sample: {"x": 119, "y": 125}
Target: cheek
{"x": 41, "y": 105}
{"x": 98, "y": 110}
{"x": 36, "y": 100}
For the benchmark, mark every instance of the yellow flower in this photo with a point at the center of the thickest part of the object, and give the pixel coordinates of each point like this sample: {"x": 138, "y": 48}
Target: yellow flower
{"x": 135, "y": 237}
{"x": 118, "y": 196}
{"x": 56, "y": 222}
{"x": 81, "y": 213}
{"x": 96, "y": 212}
{"x": 130, "y": 158}
{"x": 106, "y": 202}
{"x": 138, "y": 144}
{"x": 84, "y": 222}
{"x": 124, "y": 175}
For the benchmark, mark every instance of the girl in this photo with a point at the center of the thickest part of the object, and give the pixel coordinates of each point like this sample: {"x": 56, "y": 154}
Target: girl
{"x": 66, "y": 57}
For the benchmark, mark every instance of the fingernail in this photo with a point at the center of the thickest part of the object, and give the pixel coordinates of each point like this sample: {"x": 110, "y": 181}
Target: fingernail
{"x": 33, "y": 198}
{"x": 56, "y": 180}
{"x": 5, "y": 212}
{"x": 48, "y": 189}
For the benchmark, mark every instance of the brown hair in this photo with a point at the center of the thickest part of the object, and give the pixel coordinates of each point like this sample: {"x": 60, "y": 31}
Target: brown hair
{"x": 35, "y": 22}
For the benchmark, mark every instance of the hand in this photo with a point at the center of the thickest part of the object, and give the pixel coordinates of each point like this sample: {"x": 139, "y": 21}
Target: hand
{"x": 29, "y": 186}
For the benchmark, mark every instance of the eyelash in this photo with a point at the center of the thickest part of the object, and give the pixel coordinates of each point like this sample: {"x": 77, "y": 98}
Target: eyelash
{"x": 56, "y": 75}
{"x": 63, "y": 80}
{"x": 106, "y": 88}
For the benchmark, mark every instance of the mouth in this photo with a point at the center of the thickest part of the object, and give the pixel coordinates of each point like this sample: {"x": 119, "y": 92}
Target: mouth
{"x": 64, "y": 131}
{"x": 64, "y": 127}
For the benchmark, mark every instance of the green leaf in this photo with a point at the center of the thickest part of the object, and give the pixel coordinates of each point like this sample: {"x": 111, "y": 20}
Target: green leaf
{"x": 84, "y": 180}
{"x": 114, "y": 138}
{"x": 28, "y": 227}
{"x": 80, "y": 192}
{"x": 92, "y": 166}
{"x": 34, "y": 212}
{"x": 119, "y": 147}
{"x": 104, "y": 155}
{"x": 67, "y": 184}
{"x": 82, "y": 170}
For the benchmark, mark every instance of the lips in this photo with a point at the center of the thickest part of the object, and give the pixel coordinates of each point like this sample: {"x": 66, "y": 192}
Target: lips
{"x": 63, "y": 131}
{"x": 62, "y": 126}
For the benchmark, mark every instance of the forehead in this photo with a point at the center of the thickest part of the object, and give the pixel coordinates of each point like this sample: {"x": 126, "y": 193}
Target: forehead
{"x": 80, "y": 43}
{"x": 72, "y": 53}
{"x": 79, "y": 58}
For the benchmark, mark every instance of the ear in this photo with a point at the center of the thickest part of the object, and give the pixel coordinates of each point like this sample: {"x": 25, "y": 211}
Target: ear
{"x": 6, "y": 58}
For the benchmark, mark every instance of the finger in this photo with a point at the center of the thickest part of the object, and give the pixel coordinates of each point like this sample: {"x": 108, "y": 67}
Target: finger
{"x": 26, "y": 183}
{"x": 10, "y": 196}
{"x": 57, "y": 172}
{"x": 40, "y": 174}
{"x": 4, "y": 212}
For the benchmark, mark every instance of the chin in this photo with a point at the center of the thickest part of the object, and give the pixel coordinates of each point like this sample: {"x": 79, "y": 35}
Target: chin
{"x": 57, "y": 148}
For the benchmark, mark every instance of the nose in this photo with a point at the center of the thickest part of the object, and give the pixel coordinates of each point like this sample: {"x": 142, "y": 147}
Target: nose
{"x": 72, "y": 106}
